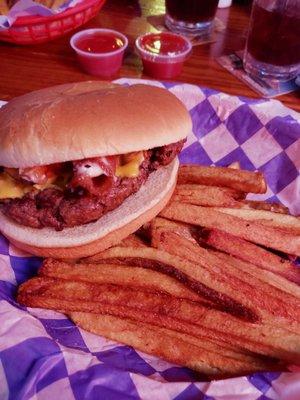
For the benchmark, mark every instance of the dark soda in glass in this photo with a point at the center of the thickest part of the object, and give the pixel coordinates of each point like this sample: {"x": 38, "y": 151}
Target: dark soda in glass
{"x": 192, "y": 11}
{"x": 190, "y": 17}
{"x": 273, "y": 45}
{"x": 274, "y": 37}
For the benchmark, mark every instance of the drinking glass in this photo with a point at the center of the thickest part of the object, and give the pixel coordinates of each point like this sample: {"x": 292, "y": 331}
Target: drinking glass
{"x": 273, "y": 44}
{"x": 190, "y": 17}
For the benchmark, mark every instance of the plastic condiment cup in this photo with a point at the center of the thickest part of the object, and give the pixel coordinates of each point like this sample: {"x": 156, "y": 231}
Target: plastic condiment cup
{"x": 105, "y": 63}
{"x": 163, "y": 53}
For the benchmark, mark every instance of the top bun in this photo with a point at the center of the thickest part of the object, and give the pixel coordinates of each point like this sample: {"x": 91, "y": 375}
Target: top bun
{"x": 88, "y": 119}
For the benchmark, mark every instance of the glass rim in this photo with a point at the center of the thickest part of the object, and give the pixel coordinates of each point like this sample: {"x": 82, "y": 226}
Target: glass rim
{"x": 164, "y": 56}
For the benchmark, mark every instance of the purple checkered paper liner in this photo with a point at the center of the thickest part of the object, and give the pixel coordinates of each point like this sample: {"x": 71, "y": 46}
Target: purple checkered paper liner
{"x": 45, "y": 356}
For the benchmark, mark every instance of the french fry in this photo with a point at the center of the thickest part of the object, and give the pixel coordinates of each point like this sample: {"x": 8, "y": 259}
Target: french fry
{"x": 205, "y": 273}
{"x": 214, "y": 196}
{"x": 134, "y": 277}
{"x": 244, "y": 181}
{"x": 281, "y": 221}
{"x": 57, "y": 3}
{"x": 186, "y": 350}
{"x": 53, "y": 4}
{"x": 210, "y": 196}
{"x": 70, "y": 296}
{"x": 277, "y": 272}
{"x": 236, "y": 346}
{"x": 3, "y": 7}
{"x": 267, "y": 277}
{"x": 154, "y": 341}
{"x": 250, "y": 291}
{"x": 252, "y": 253}
{"x": 202, "y": 279}
{"x": 263, "y": 205}
{"x": 132, "y": 241}
{"x": 92, "y": 322}
{"x": 118, "y": 275}
{"x": 113, "y": 323}
{"x": 46, "y": 3}
{"x": 185, "y": 230}
{"x": 253, "y": 231}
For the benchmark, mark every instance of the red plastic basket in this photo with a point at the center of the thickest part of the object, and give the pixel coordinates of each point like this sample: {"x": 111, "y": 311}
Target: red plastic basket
{"x": 35, "y": 29}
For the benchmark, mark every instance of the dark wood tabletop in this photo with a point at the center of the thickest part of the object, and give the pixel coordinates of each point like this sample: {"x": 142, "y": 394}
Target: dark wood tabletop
{"x": 26, "y": 68}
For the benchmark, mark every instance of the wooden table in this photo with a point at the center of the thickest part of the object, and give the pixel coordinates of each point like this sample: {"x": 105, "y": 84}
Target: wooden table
{"x": 25, "y": 68}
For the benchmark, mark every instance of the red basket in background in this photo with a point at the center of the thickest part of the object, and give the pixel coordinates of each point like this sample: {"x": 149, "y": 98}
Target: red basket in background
{"x": 36, "y": 29}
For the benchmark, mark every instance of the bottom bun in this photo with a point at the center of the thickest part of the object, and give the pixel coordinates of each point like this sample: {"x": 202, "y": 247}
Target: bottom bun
{"x": 89, "y": 239}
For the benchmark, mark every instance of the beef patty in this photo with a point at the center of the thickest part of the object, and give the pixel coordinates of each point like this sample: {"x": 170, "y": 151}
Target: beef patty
{"x": 77, "y": 206}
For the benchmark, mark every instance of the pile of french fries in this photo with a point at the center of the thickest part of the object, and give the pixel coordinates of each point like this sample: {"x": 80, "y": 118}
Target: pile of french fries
{"x": 205, "y": 284}
{"x": 53, "y": 4}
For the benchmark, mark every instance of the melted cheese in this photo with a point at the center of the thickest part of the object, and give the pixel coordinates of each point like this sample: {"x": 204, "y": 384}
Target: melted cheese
{"x": 10, "y": 188}
{"x": 131, "y": 167}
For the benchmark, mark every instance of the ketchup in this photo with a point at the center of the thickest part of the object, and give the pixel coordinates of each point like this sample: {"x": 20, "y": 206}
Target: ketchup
{"x": 163, "y": 54}
{"x": 100, "y": 43}
{"x": 100, "y": 51}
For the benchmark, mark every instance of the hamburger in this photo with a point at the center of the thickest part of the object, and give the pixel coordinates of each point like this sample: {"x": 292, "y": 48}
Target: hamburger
{"x": 84, "y": 165}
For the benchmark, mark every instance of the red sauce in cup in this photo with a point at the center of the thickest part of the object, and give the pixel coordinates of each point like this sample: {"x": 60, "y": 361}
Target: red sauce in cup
{"x": 99, "y": 51}
{"x": 100, "y": 43}
{"x": 163, "y": 54}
